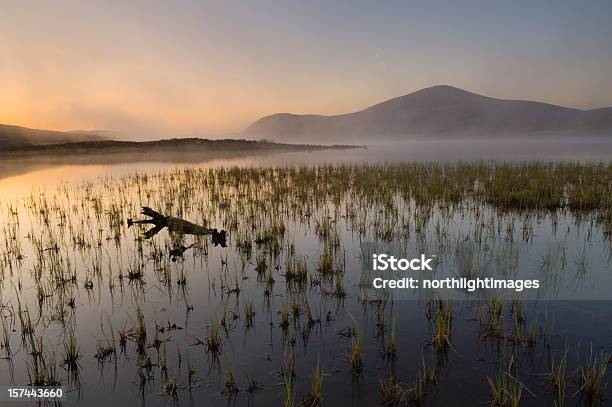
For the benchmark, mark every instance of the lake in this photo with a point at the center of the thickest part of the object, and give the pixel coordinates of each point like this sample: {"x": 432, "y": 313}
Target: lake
{"x": 91, "y": 302}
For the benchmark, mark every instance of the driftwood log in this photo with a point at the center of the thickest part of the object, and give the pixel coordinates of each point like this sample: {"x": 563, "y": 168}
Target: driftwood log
{"x": 176, "y": 225}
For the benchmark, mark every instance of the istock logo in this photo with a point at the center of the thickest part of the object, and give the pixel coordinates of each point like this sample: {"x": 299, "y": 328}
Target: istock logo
{"x": 382, "y": 262}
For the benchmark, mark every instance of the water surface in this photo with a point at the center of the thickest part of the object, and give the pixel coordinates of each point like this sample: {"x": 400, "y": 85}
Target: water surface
{"x": 84, "y": 273}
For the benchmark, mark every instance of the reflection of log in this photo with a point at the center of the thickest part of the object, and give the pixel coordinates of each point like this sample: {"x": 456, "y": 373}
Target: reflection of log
{"x": 176, "y": 225}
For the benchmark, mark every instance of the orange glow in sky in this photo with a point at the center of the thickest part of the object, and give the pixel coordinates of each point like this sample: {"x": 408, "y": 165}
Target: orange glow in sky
{"x": 151, "y": 68}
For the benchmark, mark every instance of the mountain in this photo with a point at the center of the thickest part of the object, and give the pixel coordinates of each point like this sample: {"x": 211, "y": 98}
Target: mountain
{"x": 439, "y": 111}
{"x": 15, "y": 136}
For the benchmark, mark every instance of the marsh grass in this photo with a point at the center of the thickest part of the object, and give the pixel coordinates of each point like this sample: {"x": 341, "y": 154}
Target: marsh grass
{"x": 253, "y": 386}
{"x": 397, "y": 393}
{"x": 443, "y": 324}
{"x": 393, "y": 392}
{"x": 213, "y": 341}
{"x": 230, "y": 388}
{"x": 289, "y": 394}
{"x": 72, "y": 353}
{"x": 355, "y": 358}
{"x": 506, "y": 390}
{"x": 170, "y": 388}
{"x": 249, "y": 313}
{"x": 68, "y": 254}
{"x": 493, "y": 322}
{"x": 591, "y": 376}
{"x": 314, "y": 397}
{"x": 391, "y": 345}
{"x": 558, "y": 377}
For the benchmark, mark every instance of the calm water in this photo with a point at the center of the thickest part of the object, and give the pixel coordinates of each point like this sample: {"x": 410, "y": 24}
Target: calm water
{"x": 50, "y": 171}
{"x": 68, "y": 220}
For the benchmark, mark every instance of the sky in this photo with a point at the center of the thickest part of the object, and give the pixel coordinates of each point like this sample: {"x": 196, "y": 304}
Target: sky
{"x": 184, "y": 68}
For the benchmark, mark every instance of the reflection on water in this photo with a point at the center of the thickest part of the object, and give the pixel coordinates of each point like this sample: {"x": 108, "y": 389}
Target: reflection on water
{"x": 88, "y": 301}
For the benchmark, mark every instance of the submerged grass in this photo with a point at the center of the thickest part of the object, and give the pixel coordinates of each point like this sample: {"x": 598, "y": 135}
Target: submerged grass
{"x": 591, "y": 376}
{"x": 506, "y": 390}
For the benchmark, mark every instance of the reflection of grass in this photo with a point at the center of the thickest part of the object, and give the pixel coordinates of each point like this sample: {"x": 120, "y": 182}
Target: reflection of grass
{"x": 103, "y": 351}
{"x": 506, "y": 258}
{"x": 391, "y": 346}
{"x": 472, "y": 262}
{"x": 249, "y": 313}
{"x": 253, "y": 386}
{"x": 582, "y": 264}
{"x": 296, "y": 270}
{"x": 532, "y": 335}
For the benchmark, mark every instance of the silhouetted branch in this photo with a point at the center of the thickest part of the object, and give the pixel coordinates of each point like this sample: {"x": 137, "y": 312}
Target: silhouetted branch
{"x": 176, "y": 225}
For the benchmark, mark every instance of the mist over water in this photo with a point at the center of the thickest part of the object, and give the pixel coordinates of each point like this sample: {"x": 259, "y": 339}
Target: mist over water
{"x": 18, "y": 176}
{"x": 56, "y": 169}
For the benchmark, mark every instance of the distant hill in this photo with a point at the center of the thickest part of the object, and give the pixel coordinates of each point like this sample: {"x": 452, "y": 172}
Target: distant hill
{"x": 439, "y": 111}
{"x": 16, "y": 136}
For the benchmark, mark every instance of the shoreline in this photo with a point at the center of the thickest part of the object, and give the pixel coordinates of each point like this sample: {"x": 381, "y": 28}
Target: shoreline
{"x": 187, "y": 145}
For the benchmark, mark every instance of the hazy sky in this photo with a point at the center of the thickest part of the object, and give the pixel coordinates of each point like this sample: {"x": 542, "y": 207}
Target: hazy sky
{"x": 198, "y": 67}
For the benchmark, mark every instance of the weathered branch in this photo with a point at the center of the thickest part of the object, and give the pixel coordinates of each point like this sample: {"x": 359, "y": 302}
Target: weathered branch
{"x": 176, "y": 225}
